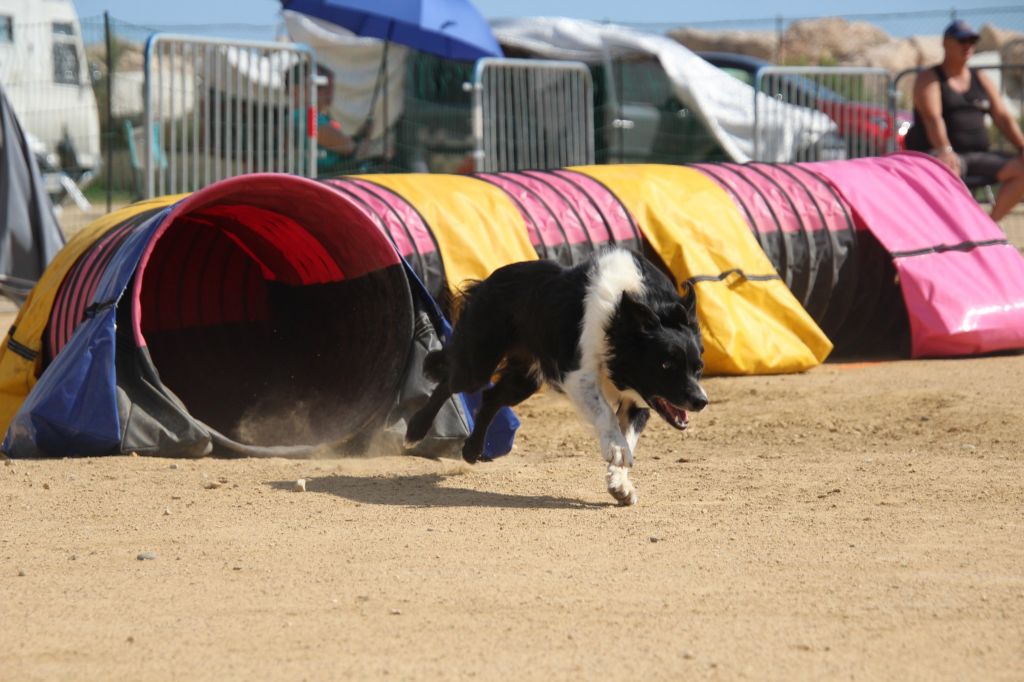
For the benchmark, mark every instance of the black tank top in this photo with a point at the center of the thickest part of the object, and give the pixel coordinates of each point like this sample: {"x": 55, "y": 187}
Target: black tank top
{"x": 964, "y": 114}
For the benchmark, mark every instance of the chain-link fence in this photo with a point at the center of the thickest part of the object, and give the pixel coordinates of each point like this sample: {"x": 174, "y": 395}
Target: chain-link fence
{"x": 79, "y": 93}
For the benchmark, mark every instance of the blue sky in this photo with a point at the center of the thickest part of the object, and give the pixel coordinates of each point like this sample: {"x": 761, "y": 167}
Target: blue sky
{"x": 265, "y": 12}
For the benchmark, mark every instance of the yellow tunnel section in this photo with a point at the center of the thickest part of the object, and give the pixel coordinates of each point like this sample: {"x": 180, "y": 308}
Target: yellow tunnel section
{"x": 476, "y": 225}
{"x": 750, "y": 321}
{"x": 19, "y": 370}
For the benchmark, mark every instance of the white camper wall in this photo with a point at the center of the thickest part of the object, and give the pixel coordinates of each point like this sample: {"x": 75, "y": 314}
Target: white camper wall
{"x": 44, "y": 70}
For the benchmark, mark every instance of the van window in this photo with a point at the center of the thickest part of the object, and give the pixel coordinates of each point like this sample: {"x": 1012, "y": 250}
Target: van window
{"x": 65, "y": 64}
{"x": 63, "y": 29}
{"x": 643, "y": 81}
{"x": 6, "y": 29}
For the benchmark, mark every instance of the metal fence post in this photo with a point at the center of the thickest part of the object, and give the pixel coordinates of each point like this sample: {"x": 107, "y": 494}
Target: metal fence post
{"x": 110, "y": 110}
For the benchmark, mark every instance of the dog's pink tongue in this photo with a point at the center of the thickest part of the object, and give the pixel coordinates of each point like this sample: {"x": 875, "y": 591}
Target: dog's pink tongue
{"x": 678, "y": 416}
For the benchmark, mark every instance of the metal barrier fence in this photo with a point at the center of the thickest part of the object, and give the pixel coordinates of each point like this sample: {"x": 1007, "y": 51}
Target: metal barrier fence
{"x": 856, "y": 99}
{"x": 532, "y": 114}
{"x": 215, "y": 109}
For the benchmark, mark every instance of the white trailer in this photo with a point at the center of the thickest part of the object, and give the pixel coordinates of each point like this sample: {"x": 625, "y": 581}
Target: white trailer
{"x": 43, "y": 69}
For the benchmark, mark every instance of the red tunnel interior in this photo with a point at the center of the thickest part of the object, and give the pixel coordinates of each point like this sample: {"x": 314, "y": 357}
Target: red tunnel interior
{"x": 275, "y": 310}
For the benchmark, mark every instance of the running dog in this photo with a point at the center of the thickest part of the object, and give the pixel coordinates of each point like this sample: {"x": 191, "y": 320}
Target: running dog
{"x": 611, "y": 334}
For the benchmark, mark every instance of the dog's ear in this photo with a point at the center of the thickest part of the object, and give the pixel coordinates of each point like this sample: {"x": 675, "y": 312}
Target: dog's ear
{"x": 689, "y": 302}
{"x": 677, "y": 317}
{"x": 638, "y": 314}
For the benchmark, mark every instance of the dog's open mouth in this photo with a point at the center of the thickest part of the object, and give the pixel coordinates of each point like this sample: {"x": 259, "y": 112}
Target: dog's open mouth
{"x": 676, "y": 416}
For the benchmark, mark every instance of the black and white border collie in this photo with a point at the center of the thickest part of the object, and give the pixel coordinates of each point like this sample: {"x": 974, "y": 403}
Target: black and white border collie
{"x": 611, "y": 333}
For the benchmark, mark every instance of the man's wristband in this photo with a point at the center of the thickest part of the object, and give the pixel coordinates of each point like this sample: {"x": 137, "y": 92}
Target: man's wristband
{"x": 943, "y": 150}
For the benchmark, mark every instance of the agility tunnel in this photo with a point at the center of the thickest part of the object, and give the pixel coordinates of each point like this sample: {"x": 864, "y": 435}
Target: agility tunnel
{"x": 682, "y": 221}
{"x": 272, "y": 315}
{"x": 263, "y": 315}
{"x": 888, "y": 254}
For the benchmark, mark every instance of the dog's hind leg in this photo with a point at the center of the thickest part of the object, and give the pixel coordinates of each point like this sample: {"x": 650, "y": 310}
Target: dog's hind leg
{"x": 518, "y": 382}
{"x": 584, "y": 390}
{"x": 419, "y": 423}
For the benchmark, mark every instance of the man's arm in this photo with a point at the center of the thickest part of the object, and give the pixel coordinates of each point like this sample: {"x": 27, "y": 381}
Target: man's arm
{"x": 1001, "y": 115}
{"x": 928, "y": 103}
{"x": 329, "y": 136}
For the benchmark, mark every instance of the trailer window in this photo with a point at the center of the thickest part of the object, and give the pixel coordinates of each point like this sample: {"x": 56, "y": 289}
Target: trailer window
{"x": 66, "y": 66}
{"x": 6, "y": 29}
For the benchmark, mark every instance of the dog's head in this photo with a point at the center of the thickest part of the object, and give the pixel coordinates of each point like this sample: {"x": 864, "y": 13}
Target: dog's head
{"x": 655, "y": 350}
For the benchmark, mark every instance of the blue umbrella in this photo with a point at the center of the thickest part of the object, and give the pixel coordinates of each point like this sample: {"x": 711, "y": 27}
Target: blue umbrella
{"x": 453, "y": 29}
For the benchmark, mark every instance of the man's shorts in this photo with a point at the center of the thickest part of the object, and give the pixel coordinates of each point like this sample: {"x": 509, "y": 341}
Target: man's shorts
{"x": 985, "y": 164}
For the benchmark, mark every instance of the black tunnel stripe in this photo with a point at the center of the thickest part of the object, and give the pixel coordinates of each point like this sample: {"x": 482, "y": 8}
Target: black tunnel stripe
{"x": 943, "y": 248}
{"x": 846, "y": 254}
{"x": 784, "y": 254}
{"x": 820, "y": 294}
{"x": 801, "y": 289}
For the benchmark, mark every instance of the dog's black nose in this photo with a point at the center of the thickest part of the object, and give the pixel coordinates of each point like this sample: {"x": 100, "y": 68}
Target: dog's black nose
{"x": 698, "y": 403}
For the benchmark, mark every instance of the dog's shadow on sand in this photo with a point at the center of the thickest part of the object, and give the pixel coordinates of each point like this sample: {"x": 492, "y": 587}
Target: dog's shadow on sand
{"x": 425, "y": 490}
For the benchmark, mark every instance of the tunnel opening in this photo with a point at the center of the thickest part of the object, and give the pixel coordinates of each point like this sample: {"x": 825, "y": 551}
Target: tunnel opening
{"x": 275, "y": 310}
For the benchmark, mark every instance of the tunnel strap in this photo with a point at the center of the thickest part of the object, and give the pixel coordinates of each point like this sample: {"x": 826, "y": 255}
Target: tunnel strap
{"x": 98, "y": 307}
{"x": 20, "y": 348}
{"x": 728, "y": 273}
{"x": 943, "y": 248}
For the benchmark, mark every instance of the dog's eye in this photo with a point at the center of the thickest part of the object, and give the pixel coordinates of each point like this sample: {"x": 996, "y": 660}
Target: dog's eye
{"x": 667, "y": 364}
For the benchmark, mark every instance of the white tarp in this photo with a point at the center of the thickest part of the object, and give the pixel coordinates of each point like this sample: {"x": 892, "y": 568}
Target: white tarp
{"x": 356, "y": 63}
{"x": 724, "y": 103}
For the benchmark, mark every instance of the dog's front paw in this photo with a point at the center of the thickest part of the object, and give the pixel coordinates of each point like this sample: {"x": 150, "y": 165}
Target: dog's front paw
{"x": 620, "y": 487}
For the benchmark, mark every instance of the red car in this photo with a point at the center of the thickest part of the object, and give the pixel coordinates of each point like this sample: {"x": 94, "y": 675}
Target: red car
{"x": 864, "y": 126}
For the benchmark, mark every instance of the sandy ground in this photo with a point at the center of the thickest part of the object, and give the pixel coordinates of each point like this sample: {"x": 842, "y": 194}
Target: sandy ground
{"x": 861, "y": 521}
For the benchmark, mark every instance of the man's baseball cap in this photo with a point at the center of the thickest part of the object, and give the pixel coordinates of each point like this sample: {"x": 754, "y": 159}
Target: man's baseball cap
{"x": 960, "y": 30}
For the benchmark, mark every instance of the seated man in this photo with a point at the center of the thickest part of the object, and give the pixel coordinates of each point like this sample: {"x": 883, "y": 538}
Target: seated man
{"x": 334, "y": 147}
{"x": 950, "y": 103}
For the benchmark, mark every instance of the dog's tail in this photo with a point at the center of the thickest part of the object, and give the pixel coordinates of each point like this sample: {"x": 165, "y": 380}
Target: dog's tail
{"x": 435, "y": 365}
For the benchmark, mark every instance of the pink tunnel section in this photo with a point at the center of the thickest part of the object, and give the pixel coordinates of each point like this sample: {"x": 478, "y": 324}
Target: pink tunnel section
{"x": 568, "y": 215}
{"x": 275, "y": 309}
{"x": 962, "y": 281}
{"x": 403, "y": 225}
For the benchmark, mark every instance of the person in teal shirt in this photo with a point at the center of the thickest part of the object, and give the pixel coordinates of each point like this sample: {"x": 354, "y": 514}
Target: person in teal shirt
{"x": 335, "y": 151}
